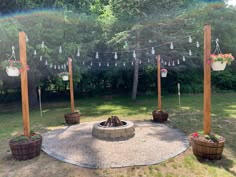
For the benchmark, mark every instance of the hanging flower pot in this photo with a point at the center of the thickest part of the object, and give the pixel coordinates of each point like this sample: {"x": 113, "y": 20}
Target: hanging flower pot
{"x": 64, "y": 76}
{"x": 13, "y": 67}
{"x": 218, "y": 62}
{"x": 164, "y": 72}
{"x": 12, "y": 71}
{"x": 218, "y": 66}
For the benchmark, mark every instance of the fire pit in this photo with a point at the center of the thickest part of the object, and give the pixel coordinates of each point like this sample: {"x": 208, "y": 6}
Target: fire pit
{"x": 113, "y": 129}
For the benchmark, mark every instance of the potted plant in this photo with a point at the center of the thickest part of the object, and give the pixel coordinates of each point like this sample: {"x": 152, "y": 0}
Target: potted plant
{"x": 13, "y": 67}
{"x": 218, "y": 62}
{"x": 23, "y": 147}
{"x": 64, "y": 76}
{"x": 72, "y": 118}
{"x": 163, "y": 72}
{"x": 207, "y": 146}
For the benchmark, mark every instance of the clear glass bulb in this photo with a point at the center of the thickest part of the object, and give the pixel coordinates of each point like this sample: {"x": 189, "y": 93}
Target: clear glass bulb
{"x": 190, "y": 39}
{"x": 190, "y": 52}
{"x": 97, "y": 56}
{"x": 115, "y": 56}
{"x": 153, "y": 51}
{"x": 183, "y": 58}
{"x": 60, "y": 49}
{"x": 134, "y": 54}
{"x": 171, "y": 46}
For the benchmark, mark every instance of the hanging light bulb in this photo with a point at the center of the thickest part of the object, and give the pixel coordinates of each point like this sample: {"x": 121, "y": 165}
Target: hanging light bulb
{"x": 26, "y": 38}
{"x": 190, "y": 39}
{"x": 168, "y": 63}
{"x": 134, "y": 54}
{"x": 46, "y": 62}
{"x": 173, "y": 64}
{"x": 42, "y": 45}
{"x": 97, "y": 56}
{"x": 55, "y": 67}
{"x": 165, "y": 63}
{"x": 197, "y": 44}
{"x": 83, "y": 62}
{"x": 171, "y": 46}
{"x": 78, "y": 52}
{"x": 183, "y": 58}
{"x": 115, "y": 64}
{"x": 99, "y": 64}
{"x": 64, "y": 66}
{"x": 178, "y": 61}
{"x": 58, "y": 67}
{"x": 91, "y": 64}
{"x": 162, "y": 61}
{"x": 132, "y": 63}
{"x": 50, "y": 65}
{"x": 148, "y": 60}
{"x": 153, "y": 51}
{"x": 108, "y": 65}
{"x": 140, "y": 62}
{"x": 124, "y": 64}
{"x": 40, "y": 58}
{"x": 190, "y": 52}
{"x": 126, "y": 45}
{"x": 35, "y": 53}
{"x": 115, "y": 56}
{"x": 60, "y": 49}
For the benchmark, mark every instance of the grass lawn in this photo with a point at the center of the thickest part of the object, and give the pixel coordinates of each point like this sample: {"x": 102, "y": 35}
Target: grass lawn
{"x": 188, "y": 118}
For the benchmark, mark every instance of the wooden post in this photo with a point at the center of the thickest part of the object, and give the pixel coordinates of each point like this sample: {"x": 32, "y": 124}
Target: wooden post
{"x": 24, "y": 84}
{"x": 71, "y": 85}
{"x": 207, "y": 80}
{"x": 159, "y": 82}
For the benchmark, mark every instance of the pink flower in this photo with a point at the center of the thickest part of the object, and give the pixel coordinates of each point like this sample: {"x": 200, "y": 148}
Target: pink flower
{"x": 195, "y": 135}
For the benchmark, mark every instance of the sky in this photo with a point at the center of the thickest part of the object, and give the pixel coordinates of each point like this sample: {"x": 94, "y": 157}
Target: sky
{"x": 232, "y": 2}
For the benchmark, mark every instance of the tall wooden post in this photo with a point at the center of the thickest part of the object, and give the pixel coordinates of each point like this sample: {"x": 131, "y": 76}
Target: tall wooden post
{"x": 71, "y": 86}
{"x": 207, "y": 80}
{"x": 159, "y": 82}
{"x": 24, "y": 84}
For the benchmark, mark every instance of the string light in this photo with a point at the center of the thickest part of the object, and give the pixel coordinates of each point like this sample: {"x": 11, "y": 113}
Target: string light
{"x": 161, "y": 61}
{"x": 58, "y": 67}
{"x": 171, "y": 46}
{"x": 197, "y": 44}
{"x": 115, "y": 64}
{"x": 35, "y": 53}
{"x": 153, "y": 51}
{"x": 99, "y": 64}
{"x": 178, "y": 61}
{"x": 60, "y": 49}
{"x": 40, "y": 58}
{"x": 190, "y": 52}
{"x": 165, "y": 63}
{"x": 140, "y": 62}
{"x": 108, "y": 65}
{"x": 50, "y": 65}
{"x": 83, "y": 62}
{"x": 42, "y": 45}
{"x": 183, "y": 58}
{"x": 190, "y": 39}
{"x": 173, "y": 64}
{"x": 97, "y": 56}
{"x": 124, "y": 64}
{"x": 26, "y": 38}
{"x": 46, "y": 62}
{"x": 168, "y": 63}
{"x": 91, "y": 64}
{"x": 132, "y": 63}
{"x": 78, "y": 52}
{"x": 134, "y": 54}
{"x": 115, "y": 56}
{"x": 55, "y": 67}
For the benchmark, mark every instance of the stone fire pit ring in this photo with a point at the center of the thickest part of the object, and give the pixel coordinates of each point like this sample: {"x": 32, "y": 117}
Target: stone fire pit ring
{"x": 119, "y": 133}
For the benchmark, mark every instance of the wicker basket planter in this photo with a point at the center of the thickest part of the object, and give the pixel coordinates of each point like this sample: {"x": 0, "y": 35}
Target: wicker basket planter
{"x": 12, "y": 71}
{"x": 72, "y": 118}
{"x": 23, "y": 150}
{"x": 207, "y": 149}
{"x": 159, "y": 116}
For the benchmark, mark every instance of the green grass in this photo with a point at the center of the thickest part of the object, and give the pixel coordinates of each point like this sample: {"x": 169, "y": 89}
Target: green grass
{"x": 188, "y": 118}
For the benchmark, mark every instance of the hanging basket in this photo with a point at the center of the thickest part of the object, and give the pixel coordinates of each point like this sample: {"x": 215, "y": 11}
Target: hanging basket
{"x": 12, "y": 71}
{"x": 207, "y": 150}
{"x": 218, "y": 66}
{"x": 65, "y": 78}
{"x": 163, "y": 74}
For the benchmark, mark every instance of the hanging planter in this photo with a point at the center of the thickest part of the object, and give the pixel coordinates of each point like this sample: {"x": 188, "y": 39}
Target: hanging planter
{"x": 13, "y": 67}
{"x": 207, "y": 146}
{"x": 218, "y": 62}
{"x": 64, "y": 76}
{"x": 164, "y": 72}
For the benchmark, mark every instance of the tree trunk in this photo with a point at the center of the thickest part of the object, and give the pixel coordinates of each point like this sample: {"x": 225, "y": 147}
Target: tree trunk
{"x": 136, "y": 69}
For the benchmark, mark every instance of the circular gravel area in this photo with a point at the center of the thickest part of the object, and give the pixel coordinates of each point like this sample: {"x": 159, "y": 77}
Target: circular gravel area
{"x": 152, "y": 144}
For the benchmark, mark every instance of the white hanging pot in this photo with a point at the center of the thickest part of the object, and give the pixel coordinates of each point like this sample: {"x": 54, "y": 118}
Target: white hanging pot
{"x": 12, "y": 71}
{"x": 65, "y": 78}
{"x": 163, "y": 74}
{"x": 218, "y": 66}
